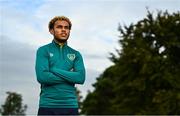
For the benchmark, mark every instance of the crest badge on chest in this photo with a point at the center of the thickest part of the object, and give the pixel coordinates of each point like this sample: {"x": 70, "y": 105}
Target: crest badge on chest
{"x": 71, "y": 56}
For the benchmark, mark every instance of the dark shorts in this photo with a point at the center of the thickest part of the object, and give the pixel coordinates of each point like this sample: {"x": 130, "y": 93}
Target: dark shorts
{"x": 58, "y": 111}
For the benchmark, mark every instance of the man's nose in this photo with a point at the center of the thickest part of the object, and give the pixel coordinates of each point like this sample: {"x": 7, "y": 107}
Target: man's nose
{"x": 63, "y": 30}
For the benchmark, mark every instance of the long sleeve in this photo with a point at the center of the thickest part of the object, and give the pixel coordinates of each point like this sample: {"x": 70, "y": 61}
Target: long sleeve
{"x": 44, "y": 76}
{"x": 77, "y": 76}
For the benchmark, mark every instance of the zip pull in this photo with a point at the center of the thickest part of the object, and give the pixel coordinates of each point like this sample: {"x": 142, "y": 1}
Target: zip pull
{"x": 61, "y": 46}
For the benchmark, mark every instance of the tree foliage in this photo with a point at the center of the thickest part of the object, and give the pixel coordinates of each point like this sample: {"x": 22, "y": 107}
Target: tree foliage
{"x": 13, "y": 105}
{"x": 145, "y": 77}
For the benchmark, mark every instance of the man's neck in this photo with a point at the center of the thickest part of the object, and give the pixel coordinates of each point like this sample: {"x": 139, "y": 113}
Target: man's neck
{"x": 60, "y": 43}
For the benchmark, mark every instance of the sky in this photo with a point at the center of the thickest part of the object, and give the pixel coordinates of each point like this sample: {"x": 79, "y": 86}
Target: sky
{"x": 24, "y": 28}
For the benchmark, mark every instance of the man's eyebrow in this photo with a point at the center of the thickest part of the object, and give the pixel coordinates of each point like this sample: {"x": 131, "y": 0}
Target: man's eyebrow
{"x": 59, "y": 25}
{"x": 63, "y": 26}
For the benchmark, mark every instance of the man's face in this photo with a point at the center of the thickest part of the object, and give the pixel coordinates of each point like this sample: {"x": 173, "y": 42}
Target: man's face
{"x": 61, "y": 31}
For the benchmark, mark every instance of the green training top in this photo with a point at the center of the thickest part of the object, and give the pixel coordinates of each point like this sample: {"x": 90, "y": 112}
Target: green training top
{"x": 58, "y": 69}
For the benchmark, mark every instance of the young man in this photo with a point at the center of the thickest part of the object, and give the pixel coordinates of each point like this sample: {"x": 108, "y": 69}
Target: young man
{"x": 58, "y": 69}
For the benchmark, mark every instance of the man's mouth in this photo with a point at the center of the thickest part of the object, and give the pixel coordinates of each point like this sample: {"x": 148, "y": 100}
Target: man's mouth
{"x": 63, "y": 34}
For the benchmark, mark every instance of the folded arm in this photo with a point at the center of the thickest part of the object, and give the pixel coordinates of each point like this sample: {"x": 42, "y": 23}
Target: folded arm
{"x": 44, "y": 76}
{"x": 77, "y": 76}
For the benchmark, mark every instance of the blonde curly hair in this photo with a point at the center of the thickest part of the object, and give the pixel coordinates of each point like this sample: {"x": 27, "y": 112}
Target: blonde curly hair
{"x": 61, "y": 18}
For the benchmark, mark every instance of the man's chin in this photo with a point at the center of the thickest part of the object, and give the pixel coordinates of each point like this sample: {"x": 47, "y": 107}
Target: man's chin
{"x": 61, "y": 40}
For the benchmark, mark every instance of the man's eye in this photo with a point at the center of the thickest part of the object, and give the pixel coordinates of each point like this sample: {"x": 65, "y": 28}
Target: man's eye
{"x": 66, "y": 27}
{"x": 60, "y": 26}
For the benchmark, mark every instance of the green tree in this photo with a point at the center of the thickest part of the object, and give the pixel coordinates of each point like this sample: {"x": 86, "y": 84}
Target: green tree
{"x": 13, "y": 105}
{"x": 145, "y": 77}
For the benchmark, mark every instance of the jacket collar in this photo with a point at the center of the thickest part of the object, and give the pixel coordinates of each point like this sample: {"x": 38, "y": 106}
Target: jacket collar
{"x": 58, "y": 44}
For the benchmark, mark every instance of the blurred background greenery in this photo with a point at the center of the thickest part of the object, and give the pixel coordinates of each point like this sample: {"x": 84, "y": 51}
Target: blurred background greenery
{"x": 145, "y": 77}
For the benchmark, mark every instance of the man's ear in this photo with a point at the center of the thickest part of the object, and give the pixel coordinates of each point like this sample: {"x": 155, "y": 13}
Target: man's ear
{"x": 51, "y": 31}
